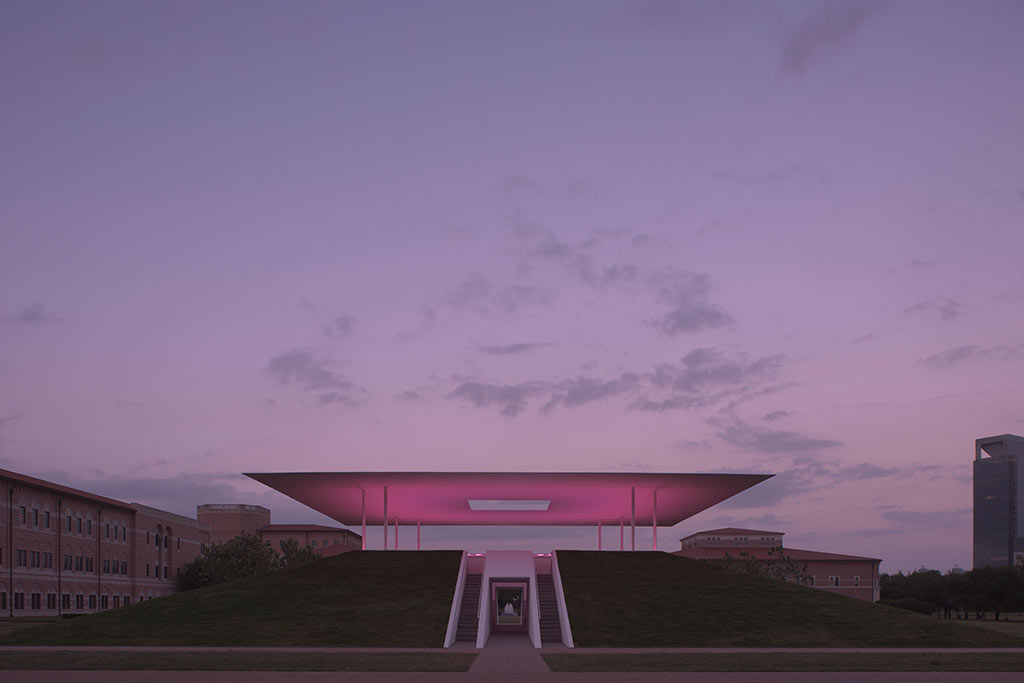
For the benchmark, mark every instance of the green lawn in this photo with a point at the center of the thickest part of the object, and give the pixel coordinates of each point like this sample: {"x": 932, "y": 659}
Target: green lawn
{"x": 659, "y": 661}
{"x": 649, "y": 599}
{"x": 373, "y": 598}
{"x": 266, "y": 660}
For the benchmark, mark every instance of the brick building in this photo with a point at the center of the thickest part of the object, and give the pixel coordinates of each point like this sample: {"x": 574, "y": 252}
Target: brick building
{"x": 850, "y": 575}
{"x": 325, "y": 540}
{"x": 66, "y": 551}
{"x": 229, "y": 520}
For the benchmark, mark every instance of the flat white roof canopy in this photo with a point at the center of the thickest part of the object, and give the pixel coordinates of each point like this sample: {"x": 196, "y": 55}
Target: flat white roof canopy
{"x": 508, "y": 498}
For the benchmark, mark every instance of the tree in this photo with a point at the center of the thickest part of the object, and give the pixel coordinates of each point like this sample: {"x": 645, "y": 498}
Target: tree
{"x": 778, "y": 565}
{"x": 293, "y": 555}
{"x": 244, "y": 555}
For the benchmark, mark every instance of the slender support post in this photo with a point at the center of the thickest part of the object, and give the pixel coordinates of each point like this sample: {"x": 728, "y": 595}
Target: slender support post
{"x": 417, "y": 535}
{"x": 396, "y": 532}
{"x": 622, "y": 534}
{"x": 632, "y": 519}
{"x": 599, "y": 535}
{"x": 385, "y": 518}
{"x": 364, "y": 518}
{"x": 654, "y": 524}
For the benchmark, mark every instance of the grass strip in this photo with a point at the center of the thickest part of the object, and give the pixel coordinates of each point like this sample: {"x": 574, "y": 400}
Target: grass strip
{"x": 651, "y": 599}
{"x": 357, "y": 599}
{"x": 236, "y": 661}
{"x": 778, "y": 661}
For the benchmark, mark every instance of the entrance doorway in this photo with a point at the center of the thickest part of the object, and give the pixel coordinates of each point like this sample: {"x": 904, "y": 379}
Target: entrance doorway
{"x": 508, "y": 605}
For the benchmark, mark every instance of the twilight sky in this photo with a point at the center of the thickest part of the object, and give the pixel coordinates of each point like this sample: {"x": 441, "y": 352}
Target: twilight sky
{"x": 658, "y": 236}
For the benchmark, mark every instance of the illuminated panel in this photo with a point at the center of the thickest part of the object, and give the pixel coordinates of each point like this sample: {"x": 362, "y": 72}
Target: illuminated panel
{"x": 497, "y": 505}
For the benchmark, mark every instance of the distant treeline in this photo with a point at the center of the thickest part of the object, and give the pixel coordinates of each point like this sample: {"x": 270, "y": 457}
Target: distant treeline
{"x": 987, "y": 589}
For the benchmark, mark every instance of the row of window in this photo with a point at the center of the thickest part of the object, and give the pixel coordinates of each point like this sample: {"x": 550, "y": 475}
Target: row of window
{"x": 35, "y": 601}
{"x": 79, "y": 563}
{"x": 166, "y": 540}
{"x": 836, "y": 581}
{"x": 115, "y": 567}
{"x": 73, "y": 524}
{"x": 32, "y": 558}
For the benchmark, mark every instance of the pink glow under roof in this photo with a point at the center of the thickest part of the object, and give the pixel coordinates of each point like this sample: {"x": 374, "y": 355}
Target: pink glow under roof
{"x": 442, "y": 498}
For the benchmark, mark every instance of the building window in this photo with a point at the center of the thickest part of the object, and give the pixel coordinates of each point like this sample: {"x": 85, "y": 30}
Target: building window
{"x": 35, "y": 601}
{"x": 34, "y": 559}
{"x": 67, "y": 563}
{"x": 147, "y": 569}
{"x": 117, "y": 601}
{"x": 147, "y": 538}
{"x": 810, "y": 580}
{"x": 856, "y": 581}
{"x": 127, "y": 600}
{"x": 46, "y": 518}
{"x": 69, "y": 524}
{"x": 22, "y": 558}
{"x": 78, "y": 563}
{"x": 108, "y": 530}
{"x": 104, "y": 602}
{"x": 35, "y": 517}
{"x": 106, "y": 566}
{"x": 65, "y": 601}
{"x": 24, "y": 518}
{"x": 51, "y": 601}
{"x": 124, "y": 533}
{"x": 267, "y": 543}
{"x": 314, "y": 543}
{"x": 179, "y": 542}
{"x": 47, "y": 560}
{"x": 79, "y": 601}
{"x": 833, "y": 580}
{"x": 79, "y": 520}
{"x": 19, "y": 601}
{"x": 88, "y": 564}
{"x": 3, "y": 600}
{"x": 89, "y": 527}
{"x": 336, "y": 541}
{"x": 92, "y": 601}
{"x": 124, "y": 567}
{"x": 165, "y": 571}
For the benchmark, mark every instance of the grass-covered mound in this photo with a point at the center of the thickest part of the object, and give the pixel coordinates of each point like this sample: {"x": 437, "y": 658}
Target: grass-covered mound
{"x": 651, "y": 599}
{"x": 397, "y": 598}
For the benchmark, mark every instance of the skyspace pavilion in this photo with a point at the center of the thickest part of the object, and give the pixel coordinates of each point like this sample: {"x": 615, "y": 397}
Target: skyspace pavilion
{"x": 510, "y": 590}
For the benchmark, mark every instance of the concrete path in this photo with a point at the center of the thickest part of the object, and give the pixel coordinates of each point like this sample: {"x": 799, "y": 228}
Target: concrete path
{"x": 508, "y": 677}
{"x": 508, "y": 658}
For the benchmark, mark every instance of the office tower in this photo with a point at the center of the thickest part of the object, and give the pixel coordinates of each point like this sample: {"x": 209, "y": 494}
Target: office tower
{"x": 998, "y": 500}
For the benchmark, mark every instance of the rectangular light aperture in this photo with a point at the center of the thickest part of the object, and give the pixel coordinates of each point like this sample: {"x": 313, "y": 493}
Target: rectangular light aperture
{"x": 508, "y": 505}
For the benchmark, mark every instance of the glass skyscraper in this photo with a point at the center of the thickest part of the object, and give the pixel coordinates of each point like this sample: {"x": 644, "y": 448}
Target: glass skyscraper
{"x": 998, "y": 500}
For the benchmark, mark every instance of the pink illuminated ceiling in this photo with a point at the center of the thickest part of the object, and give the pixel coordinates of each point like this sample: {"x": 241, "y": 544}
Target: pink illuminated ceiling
{"x": 442, "y": 498}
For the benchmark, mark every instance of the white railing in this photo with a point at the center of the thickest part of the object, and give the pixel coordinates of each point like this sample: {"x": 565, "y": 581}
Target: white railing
{"x": 563, "y": 612}
{"x": 453, "y": 616}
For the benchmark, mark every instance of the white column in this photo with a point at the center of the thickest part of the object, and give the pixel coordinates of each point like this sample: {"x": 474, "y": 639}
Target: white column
{"x": 364, "y": 518}
{"x": 654, "y": 524}
{"x": 385, "y": 518}
{"x": 632, "y": 519}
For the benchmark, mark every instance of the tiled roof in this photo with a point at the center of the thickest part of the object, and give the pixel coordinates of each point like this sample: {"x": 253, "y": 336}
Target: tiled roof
{"x": 762, "y": 553}
{"x": 734, "y": 530}
{"x": 67, "y": 490}
{"x": 303, "y": 527}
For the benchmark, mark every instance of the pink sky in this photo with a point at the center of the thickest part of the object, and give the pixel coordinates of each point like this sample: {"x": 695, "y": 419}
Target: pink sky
{"x": 598, "y": 236}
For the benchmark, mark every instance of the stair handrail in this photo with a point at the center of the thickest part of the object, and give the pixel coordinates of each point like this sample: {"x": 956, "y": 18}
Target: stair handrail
{"x": 563, "y": 611}
{"x": 453, "y": 616}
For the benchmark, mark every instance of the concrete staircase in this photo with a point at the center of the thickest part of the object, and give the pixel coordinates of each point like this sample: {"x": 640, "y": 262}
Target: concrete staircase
{"x": 550, "y": 626}
{"x": 468, "y": 620}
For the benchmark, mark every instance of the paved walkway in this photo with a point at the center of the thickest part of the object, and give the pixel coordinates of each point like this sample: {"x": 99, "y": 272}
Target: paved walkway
{"x": 508, "y": 658}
